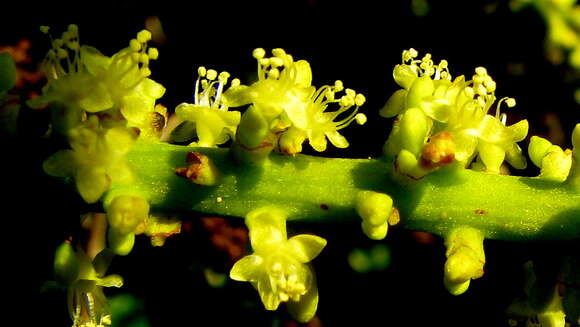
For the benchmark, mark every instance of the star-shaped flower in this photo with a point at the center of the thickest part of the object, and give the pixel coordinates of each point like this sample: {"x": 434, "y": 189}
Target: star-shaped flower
{"x": 279, "y": 267}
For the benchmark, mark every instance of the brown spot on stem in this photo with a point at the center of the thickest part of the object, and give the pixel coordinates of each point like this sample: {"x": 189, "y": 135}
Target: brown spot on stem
{"x": 324, "y": 207}
{"x": 480, "y": 211}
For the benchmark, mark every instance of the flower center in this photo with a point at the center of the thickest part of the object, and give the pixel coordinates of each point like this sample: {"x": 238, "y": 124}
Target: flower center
{"x": 286, "y": 282}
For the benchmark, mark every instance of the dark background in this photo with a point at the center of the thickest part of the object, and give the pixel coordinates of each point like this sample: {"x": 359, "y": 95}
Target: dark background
{"x": 358, "y": 42}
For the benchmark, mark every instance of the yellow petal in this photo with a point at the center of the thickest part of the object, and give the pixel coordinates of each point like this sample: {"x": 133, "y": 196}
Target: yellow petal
{"x": 247, "y": 269}
{"x": 305, "y": 247}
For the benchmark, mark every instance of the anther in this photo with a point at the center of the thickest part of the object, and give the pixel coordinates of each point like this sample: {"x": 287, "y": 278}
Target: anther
{"x": 201, "y": 71}
{"x": 211, "y": 74}
{"x": 258, "y": 53}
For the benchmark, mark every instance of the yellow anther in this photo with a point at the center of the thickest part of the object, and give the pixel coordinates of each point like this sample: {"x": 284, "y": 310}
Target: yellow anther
{"x": 135, "y": 57}
{"x": 359, "y": 100}
{"x": 223, "y": 76}
{"x": 350, "y": 93}
{"x": 144, "y": 59}
{"x": 360, "y": 118}
{"x": 276, "y": 62}
{"x": 201, "y": 71}
{"x": 143, "y": 36}
{"x": 279, "y": 52}
{"x": 258, "y": 53}
{"x": 511, "y": 102}
{"x": 481, "y": 71}
{"x": 490, "y": 85}
{"x": 469, "y": 92}
{"x": 44, "y": 29}
{"x": 338, "y": 86}
{"x": 146, "y": 72}
{"x": 73, "y": 28}
{"x": 265, "y": 62}
{"x": 235, "y": 82}
{"x": 443, "y": 64}
{"x": 153, "y": 53}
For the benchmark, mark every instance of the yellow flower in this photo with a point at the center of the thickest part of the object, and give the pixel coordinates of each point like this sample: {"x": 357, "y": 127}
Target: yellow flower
{"x": 285, "y": 97}
{"x": 214, "y": 124}
{"x": 96, "y": 160}
{"x": 279, "y": 267}
{"x": 82, "y": 79}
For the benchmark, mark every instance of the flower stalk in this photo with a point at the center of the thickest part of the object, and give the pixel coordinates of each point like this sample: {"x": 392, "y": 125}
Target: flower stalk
{"x": 535, "y": 208}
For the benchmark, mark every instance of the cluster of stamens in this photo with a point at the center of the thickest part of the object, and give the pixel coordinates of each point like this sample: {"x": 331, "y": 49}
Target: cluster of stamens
{"x": 425, "y": 66}
{"x": 272, "y": 67}
{"x": 61, "y": 52}
{"x": 141, "y": 54}
{"x": 286, "y": 283}
{"x": 327, "y": 94}
{"x": 212, "y": 87}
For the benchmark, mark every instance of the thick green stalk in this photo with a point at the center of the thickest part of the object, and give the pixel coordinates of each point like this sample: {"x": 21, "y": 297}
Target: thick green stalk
{"x": 320, "y": 189}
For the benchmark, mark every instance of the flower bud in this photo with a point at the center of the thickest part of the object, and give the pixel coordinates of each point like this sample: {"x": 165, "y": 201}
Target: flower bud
{"x": 253, "y": 128}
{"x": 537, "y": 149}
{"x": 395, "y": 104}
{"x": 465, "y": 258}
{"x": 374, "y": 207}
{"x": 125, "y": 212}
{"x": 414, "y": 126}
{"x": 556, "y": 164}
{"x": 66, "y": 264}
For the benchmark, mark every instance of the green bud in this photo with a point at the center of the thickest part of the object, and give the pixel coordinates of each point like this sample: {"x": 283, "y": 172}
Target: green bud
{"x": 253, "y": 128}
{"x": 537, "y": 149}
{"x": 407, "y": 164}
{"x": 375, "y": 232}
{"x": 120, "y": 244}
{"x": 374, "y": 207}
{"x": 125, "y": 212}
{"x": 393, "y": 144}
{"x": 556, "y": 164}
{"x": 395, "y": 104}
{"x": 465, "y": 258}
{"x": 422, "y": 87}
{"x": 66, "y": 264}
{"x": 414, "y": 126}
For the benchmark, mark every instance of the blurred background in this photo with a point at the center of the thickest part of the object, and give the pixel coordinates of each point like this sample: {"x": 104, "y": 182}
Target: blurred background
{"x": 395, "y": 282}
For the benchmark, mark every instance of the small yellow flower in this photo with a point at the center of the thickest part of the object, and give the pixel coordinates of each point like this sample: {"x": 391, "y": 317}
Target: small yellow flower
{"x": 285, "y": 97}
{"x": 214, "y": 124}
{"x": 87, "y": 303}
{"x": 82, "y": 79}
{"x": 96, "y": 160}
{"x": 279, "y": 267}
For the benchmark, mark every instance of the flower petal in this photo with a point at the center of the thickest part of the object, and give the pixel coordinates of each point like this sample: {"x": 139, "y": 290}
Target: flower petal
{"x": 305, "y": 309}
{"x": 337, "y": 139}
{"x": 237, "y": 96}
{"x": 247, "y": 269}
{"x": 270, "y": 299}
{"x": 305, "y": 247}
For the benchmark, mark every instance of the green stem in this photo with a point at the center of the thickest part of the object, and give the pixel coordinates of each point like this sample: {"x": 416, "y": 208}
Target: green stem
{"x": 323, "y": 189}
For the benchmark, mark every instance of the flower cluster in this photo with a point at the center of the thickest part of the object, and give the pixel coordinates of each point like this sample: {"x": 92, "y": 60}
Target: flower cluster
{"x": 96, "y": 158}
{"x": 279, "y": 267}
{"x": 82, "y": 80}
{"x": 442, "y": 120}
{"x": 285, "y": 102}
{"x": 213, "y": 123}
